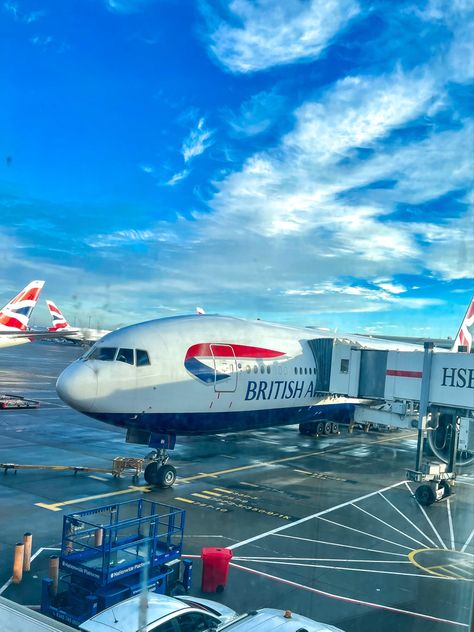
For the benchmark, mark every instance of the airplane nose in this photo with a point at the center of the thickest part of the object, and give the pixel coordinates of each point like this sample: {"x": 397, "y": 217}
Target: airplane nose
{"x": 77, "y": 386}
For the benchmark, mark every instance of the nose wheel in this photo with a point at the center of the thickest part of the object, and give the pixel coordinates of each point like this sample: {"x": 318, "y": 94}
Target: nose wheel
{"x": 159, "y": 472}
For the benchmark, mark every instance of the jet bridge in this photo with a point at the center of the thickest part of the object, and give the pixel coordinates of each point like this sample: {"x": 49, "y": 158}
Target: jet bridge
{"x": 430, "y": 390}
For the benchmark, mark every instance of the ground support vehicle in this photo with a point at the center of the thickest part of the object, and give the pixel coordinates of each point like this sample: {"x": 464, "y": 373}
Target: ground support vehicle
{"x": 110, "y": 553}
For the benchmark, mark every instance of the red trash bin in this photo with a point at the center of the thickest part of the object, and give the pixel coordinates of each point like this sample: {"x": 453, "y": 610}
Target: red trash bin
{"x": 215, "y": 567}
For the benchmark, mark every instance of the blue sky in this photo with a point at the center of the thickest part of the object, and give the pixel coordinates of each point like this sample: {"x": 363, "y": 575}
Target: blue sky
{"x": 307, "y": 162}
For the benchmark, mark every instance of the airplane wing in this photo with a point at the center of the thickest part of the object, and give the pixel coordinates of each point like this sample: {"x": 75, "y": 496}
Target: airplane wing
{"x": 36, "y": 334}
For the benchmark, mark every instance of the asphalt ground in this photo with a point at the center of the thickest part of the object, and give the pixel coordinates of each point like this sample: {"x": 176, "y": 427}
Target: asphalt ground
{"x": 323, "y": 526}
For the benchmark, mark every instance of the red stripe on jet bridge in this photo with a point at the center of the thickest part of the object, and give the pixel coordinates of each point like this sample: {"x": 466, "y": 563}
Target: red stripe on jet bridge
{"x": 11, "y": 322}
{"x": 403, "y": 373}
{"x": 221, "y": 350}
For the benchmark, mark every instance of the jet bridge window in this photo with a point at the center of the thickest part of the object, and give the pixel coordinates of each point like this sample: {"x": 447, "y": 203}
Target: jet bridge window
{"x": 106, "y": 354}
{"x": 142, "y": 358}
{"x": 125, "y": 355}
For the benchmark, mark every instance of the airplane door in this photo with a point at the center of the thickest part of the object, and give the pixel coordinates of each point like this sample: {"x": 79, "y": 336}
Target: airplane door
{"x": 225, "y": 368}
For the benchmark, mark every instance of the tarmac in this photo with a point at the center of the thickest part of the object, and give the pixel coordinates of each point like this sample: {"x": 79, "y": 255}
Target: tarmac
{"x": 324, "y": 526}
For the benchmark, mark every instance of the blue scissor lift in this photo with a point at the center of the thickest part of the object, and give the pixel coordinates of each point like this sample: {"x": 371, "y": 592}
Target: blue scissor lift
{"x": 110, "y": 552}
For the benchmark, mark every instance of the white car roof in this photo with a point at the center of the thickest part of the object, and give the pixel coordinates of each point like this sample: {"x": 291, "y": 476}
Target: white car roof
{"x": 270, "y": 619}
{"x": 124, "y": 616}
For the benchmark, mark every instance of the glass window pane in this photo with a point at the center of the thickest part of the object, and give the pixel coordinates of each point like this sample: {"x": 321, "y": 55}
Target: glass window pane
{"x": 106, "y": 354}
{"x": 125, "y": 355}
{"x": 142, "y": 358}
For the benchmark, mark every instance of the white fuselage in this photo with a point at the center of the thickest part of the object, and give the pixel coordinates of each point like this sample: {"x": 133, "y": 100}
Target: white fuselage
{"x": 205, "y": 374}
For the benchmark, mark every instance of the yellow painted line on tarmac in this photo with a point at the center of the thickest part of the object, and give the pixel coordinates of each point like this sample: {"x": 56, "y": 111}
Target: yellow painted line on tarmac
{"x": 305, "y": 455}
{"x": 146, "y": 488}
{"x": 50, "y": 507}
{"x": 83, "y": 499}
{"x": 201, "y": 496}
{"x": 184, "y": 500}
{"x": 206, "y": 491}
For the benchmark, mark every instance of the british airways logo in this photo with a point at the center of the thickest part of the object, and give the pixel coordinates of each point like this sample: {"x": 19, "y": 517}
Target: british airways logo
{"x": 212, "y": 362}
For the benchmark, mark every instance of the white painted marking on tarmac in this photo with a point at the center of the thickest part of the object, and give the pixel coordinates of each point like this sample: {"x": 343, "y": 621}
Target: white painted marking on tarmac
{"x": 427, "y": 518}
{"x": 389, "y": 525}
{"x": 459, "y": 480}
{"x": 99, "y": 478}
{"x": 408, "y": 520}
{"x": 359, "y": 602}
{"x": 451, "y": 528}
{"x": 359, "y": 570}
{"x": 262, "y": 558}
{"x": 371, "y": 535}
{"x": 33, "y": 557}
{"x": 466, "y": 544}
{"x": 346, "y": 546}
{"x": 311, "y": 517}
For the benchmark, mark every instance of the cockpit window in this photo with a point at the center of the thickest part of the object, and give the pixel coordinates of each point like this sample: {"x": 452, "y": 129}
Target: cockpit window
{"x": 103, "y": 353}
{"x": 142, "y": 358}
{"x": 125, "y": 355}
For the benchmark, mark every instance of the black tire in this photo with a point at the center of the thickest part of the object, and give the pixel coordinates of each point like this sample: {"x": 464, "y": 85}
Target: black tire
{"x": 425, "y": 495}
{"x": 166, "y": 476}
{"x": 334, "y": 428}
{"x": 327, "y": 428}
{"x": 151, "y": 473}
{"x": 320, "y": 428}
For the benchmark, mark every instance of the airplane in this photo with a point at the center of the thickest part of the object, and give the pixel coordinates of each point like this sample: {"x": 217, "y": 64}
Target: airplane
{"x": 15, "y": 315}
{"x": 80, "y": 335}
{"x": 206, "y": 374}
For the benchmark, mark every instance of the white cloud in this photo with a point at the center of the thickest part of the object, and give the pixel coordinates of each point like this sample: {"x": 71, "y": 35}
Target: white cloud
{"x": 177, "y": 177}
{"x": 365, "y": 299}
{"x": 126, "y": 6}
{"x": 147, "y": 169}
{"x": 130, "y": 237}
{"x": 267, "y": 33}
{"x": 392, "y": 288}
{"x": 198, "y": 140}
{"x": 257, "y": 114}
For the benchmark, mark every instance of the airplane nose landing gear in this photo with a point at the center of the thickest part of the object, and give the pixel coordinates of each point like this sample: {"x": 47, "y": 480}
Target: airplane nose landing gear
{"x": 159, "y": 472}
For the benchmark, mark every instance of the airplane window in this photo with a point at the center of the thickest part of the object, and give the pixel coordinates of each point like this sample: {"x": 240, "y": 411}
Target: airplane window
{"x": 305, "y": 371}
{"x": 296, "y": 371}
{"x": 142, "y": 358}
{"x": 262, "y": 369}
{"x": 301, "y": 371}
{"x": 268, "y": 369}
{"x": 106, "y": 354}
{"x": 255, "y": 369}
{"x": 247, "y": 368}
{"x": 89, "y": 352}
{"x": 125, "y": 355}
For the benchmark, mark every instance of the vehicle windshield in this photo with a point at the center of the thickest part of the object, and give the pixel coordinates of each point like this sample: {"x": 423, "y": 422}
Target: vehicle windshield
{"x": 106, "y": 354}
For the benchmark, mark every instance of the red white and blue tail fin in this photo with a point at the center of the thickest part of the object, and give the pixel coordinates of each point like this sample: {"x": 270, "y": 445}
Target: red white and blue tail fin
{"x": 466, "y": 331}
{"x": 15, "y": 315}
{"x": 59, "y": 322}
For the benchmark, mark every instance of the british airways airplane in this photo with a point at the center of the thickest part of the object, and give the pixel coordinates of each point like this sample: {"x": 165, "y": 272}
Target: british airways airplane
{"x": 205, "y": 374}
{"x": 81, "y": 335}
{"x": 15, "y": 315}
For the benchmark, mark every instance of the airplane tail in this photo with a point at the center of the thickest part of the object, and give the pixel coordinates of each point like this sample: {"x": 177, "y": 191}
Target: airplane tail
{"x": 59, "y": 322}
{"x": 16, "y": 313}
{"x": 466, "y": 331}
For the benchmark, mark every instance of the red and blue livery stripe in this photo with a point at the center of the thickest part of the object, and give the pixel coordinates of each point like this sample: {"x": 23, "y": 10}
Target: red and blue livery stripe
{"x": 199, "y": 359}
